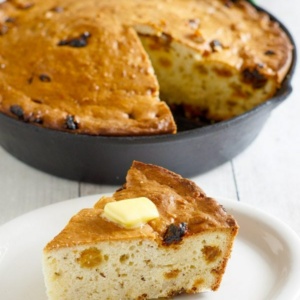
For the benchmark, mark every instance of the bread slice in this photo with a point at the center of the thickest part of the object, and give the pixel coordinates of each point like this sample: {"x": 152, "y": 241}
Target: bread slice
{"x": 185, "y": 250}
{"x": 89, "y": 71}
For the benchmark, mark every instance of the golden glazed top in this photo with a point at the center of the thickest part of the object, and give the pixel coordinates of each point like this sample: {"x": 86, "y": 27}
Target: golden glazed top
{"x": 79, "y": 66}
{"x": 179, "y": 201}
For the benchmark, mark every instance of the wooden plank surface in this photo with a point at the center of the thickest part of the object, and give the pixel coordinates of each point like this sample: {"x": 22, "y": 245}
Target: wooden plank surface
{"x": 23, "y": 188}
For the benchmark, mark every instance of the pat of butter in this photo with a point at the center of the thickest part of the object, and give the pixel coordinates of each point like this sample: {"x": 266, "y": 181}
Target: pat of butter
{"x": 131, "y": 213}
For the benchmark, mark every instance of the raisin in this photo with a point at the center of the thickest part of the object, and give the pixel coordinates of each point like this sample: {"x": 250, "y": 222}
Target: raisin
{"x": 166, "y": 38}
{"x": 30, "y": 80}
{"x": 77, "y": 42}
{"x": 254, "y": 77}
{"x": 174, "y": 233}
{"x": 230, "y": 3}
{"x": 197, "y": 37}
{"x": 194, "y": 23}
{"x": 25, "y": 5}
{"x": 71, "y": 123}
{"x": 37, "y": 120}
{"x": 10, "y": 20}
{"x": 38, "y": 101}
{"x": 215, "y": 45}
{"x": 57, "y": 9}
{"x": 270, "y": 52}
{"x": 18, "y": 111}
{"x": 44, "y": 78}
{"x": 6, "y": 25}
{"x": 211, "y": 253}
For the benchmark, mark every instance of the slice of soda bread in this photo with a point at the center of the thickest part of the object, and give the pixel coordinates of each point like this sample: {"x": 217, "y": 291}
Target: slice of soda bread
{"x": 184, "y": 250}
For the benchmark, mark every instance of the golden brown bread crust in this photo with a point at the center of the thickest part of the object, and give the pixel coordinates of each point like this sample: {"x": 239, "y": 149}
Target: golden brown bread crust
{"x": 103, "y": 83}
{"x": 79, "y": 66}
{"x": 178, "y": 201}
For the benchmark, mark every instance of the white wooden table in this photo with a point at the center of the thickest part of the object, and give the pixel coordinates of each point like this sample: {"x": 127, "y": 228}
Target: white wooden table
{"x": 265, "y": 175}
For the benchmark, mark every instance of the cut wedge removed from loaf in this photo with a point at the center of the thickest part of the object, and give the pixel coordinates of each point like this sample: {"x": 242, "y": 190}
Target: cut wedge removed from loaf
{"x": 183, "y": 250}
{"x": 102, "y": 67}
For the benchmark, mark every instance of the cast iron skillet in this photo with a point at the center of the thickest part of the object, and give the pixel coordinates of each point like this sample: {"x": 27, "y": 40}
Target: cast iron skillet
{"x": 102, "y": 160}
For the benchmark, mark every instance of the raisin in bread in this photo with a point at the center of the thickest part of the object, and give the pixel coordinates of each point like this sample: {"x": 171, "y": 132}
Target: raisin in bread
{"x": 184, "y": 250}
{"x": 84, "y": 67}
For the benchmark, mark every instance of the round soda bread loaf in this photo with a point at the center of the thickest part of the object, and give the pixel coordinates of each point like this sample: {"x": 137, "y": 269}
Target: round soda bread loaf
{"x": 101, "y": 67}
{"x": 184, "y": 250}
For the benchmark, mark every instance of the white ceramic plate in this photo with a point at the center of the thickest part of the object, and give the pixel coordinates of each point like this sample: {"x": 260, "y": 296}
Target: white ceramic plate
{"x": 265, "y": 262}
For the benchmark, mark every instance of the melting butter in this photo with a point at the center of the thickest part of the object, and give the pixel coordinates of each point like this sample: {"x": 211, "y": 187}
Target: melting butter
{"x": 131, "y": 213}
